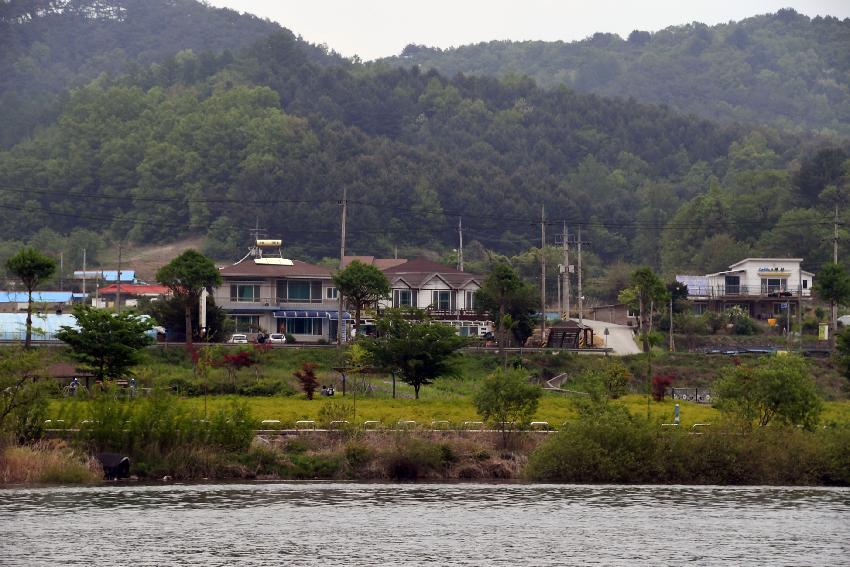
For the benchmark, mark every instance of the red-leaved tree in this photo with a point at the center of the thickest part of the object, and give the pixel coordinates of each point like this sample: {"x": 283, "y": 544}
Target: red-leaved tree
{"x": 307, "y": 377}
{"x": 660, "y": 383}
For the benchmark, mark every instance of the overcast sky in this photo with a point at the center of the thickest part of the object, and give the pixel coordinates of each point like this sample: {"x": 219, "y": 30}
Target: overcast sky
{"x": 379, "y": 28}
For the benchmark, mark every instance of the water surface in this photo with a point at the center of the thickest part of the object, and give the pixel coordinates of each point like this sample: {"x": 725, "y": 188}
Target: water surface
{"x": 423, "y": 524}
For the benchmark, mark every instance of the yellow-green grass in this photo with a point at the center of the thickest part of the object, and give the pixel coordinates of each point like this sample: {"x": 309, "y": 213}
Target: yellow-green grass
{"x": 553, "y": 409}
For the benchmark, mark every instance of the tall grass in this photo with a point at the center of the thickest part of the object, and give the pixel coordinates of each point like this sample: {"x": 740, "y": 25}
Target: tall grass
{"x": 621, "y": 448}
{"x": 46, "y": 463}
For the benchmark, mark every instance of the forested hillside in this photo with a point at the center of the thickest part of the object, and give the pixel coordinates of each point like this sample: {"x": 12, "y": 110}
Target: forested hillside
{"x": 267, "y": 135}
{"x": 783, "y": 69}
{"x": 50, "y": 46}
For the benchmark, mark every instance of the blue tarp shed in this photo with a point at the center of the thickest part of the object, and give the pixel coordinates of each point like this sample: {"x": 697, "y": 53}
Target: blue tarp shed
{"x": 106, "y": 275}
{"x": 13, "y": 326}
{"x": 37, "y": 296}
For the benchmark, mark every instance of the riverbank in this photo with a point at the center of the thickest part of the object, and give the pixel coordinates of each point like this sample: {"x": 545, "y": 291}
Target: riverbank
{"x": 623, "y": 450}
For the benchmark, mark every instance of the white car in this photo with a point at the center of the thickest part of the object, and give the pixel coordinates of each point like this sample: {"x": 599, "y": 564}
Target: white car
{"x": 277, "y": 338}
{"x": 844, "y": 321}
{"x": 239, "y": 339}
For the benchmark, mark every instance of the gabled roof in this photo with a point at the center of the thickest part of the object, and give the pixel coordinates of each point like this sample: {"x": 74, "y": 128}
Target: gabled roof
{"x": 419, "y": 271}
{"x": 136, "y": 289}
{"x": 798, "y": 260}
{"x": 298, "y": 269}
{"x": 380, "y": 263}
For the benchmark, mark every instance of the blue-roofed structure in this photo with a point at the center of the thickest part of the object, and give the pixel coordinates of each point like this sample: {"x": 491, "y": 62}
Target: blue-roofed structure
{"x": 105, "y": 275}
{"x": 13, "y": 326}
{"x": 37, "y": 296}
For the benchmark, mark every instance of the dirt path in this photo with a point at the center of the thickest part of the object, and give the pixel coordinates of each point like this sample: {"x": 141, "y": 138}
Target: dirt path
{"x": 620, "y": 337}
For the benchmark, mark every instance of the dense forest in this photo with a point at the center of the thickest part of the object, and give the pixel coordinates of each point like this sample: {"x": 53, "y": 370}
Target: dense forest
{"x": 49, "y": 46}
{"x": 215, "y": 142}
{"x": 783, "y": 69}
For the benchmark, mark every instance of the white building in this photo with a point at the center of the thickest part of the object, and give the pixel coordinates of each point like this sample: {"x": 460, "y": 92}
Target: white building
{"x": 764, "y": 286}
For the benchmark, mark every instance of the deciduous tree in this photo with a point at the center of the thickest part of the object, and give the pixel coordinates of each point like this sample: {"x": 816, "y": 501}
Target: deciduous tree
{"x": 31, "y": 267}
{"x": 187, "y": 276}
{"x": 419, "y": 350}
{"x": 508, "y": 399}
{"x": 107, "y": 343}
{"x": 361, "y": 285}
{"x": 772, "y": 389}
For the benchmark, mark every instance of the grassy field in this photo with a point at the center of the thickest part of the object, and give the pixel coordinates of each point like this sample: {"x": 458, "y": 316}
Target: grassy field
{"x": 271, "y": 392}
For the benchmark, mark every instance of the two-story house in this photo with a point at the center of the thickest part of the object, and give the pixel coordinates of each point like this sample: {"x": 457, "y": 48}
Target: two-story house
{"x": 765, "y": 287}
{"x": 277, "y": 295}
{"x": 445, "y": 292}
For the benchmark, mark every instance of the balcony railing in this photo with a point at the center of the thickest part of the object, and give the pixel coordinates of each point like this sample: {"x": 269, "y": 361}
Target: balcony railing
{"x": 734, "y": 291}
{"x": 274, "y": 301}
{"x": 457, "y": 315}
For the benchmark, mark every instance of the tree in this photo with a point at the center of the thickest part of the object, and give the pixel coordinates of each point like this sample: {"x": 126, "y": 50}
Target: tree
{"x": 418, "y": 349}
{"x": 508, "y": 399}
{"x": 508, "y": 300}
{"x": 833, "y": 285}
{"x": 187, "y": 276}
{"x": 646, "y": 291}
{"x": 32, "y": 268}
{"x": 361, "y": 285}
{"x": 169, "y": 312}
{"x": 107, "y": 343}
{"x": 773, "y": 388}
{"x": 23, "y": 402}
{"x": 307, "y": 377}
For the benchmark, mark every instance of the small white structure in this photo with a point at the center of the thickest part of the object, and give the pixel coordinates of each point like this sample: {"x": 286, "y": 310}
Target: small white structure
{"x": 766, "y": 287}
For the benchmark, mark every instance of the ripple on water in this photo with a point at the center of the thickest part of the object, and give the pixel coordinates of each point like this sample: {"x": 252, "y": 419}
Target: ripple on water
{"x": 423, "y": 524}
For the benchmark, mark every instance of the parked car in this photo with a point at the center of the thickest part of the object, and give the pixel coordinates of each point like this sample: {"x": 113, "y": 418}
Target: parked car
{"x": 277, "y": 338}
{"x": 239, "y": 339}
{"x": 844, "y": 320}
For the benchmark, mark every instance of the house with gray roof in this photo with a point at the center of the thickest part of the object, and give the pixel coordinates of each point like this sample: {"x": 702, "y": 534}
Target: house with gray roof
{"x": 271, "y": 294}
{"x": 446, "y": 293}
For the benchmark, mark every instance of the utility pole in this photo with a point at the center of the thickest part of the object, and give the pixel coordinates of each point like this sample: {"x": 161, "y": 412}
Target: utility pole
{"x": 672, "y": 346}
{"x": 835, "y": 236}
{"x": 566, "y": 288}
{"x": 460, "y": 249}
{"x": 118, "y": 283}
{"x": 84, "y": 274}
{"x": 340, "y": 324}
{"x": 580, "y": 296}
{"x": 542, "y": 274}
{"x": 61, "y": 270}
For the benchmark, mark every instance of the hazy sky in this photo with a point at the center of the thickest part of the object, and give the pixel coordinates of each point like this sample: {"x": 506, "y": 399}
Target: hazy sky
{"x": 378, "y": 28}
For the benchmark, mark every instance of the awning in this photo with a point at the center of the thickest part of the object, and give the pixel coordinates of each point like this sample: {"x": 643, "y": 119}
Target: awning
{"x": 332, "y": 315}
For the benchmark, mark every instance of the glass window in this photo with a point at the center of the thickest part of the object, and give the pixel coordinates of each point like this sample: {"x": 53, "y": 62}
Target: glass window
{"x": 402, "y": 297}
{"x": 245, "y": 292}
{"x": 247, "y": 323}
{"x": 299, "y": 291}
{"x": 331, "y": 293}
{"x": 304, "y": 326}
{"x": 470, "y": 300}
{"x": 441, "y": 300}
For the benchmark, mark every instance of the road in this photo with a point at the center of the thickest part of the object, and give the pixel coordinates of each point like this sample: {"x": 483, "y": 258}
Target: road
{"x": 620, "y": 337}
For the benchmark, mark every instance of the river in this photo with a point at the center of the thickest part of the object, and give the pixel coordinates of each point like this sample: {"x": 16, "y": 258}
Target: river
{"x": 324, "y": 523}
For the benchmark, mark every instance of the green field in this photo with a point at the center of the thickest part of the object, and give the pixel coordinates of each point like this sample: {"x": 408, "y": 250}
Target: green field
{"x": 271, "y": 392}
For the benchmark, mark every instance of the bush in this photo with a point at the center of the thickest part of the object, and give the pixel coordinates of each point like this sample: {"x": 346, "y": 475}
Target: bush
{"x": 660, "y": 383}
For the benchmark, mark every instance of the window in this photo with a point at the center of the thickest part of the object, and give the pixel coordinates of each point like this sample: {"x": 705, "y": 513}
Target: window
{"x": 331, "y": 293}
{"x": 733, "y": 285}
{"x": 468, "y": 331}
{"x": 441, "y": 300}
{"x": 470, "y": 300}
{"x": 402, "y": 297}
{"x": 805, "y": 284}
{"x": 299, "y": 291}
{"x": 245, "y": 293}
{"x": 304, "y": 326}
{"x": 773, "y": 285}
{"x": 246, "y": 323}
